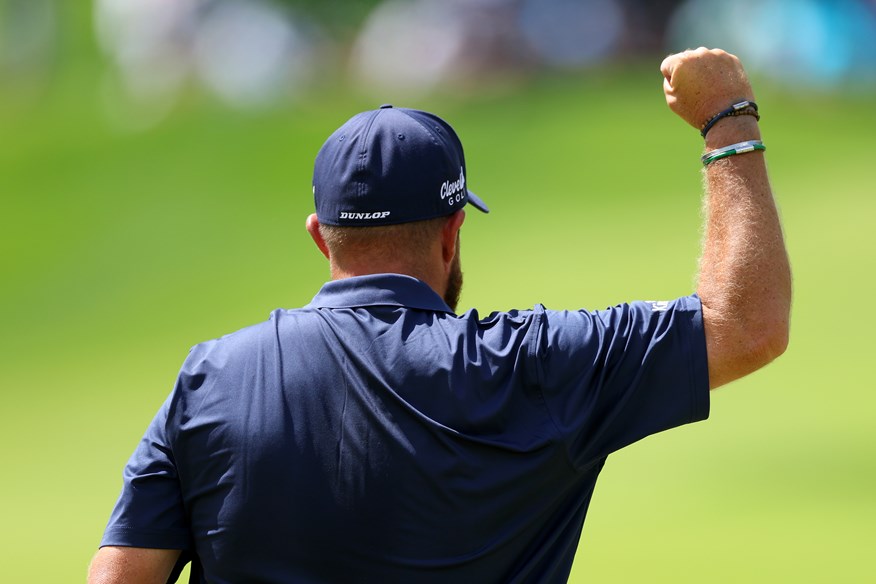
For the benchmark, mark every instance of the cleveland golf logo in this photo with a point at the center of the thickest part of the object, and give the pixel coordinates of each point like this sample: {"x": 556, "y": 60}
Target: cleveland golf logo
{"x": 454, "y": 191}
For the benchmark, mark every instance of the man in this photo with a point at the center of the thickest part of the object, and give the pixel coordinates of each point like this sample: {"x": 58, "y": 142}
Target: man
{"x": 376, "y": 436}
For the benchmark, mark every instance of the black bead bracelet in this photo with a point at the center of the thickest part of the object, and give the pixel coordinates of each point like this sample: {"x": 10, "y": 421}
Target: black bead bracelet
{"x": 743, "y": 108}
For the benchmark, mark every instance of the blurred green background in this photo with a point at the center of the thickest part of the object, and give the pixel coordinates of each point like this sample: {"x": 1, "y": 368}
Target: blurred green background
{"x": 119, "y": 249}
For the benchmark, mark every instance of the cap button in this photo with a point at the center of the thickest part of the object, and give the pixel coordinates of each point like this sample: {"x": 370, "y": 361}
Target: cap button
{"x": 386, "y": 106}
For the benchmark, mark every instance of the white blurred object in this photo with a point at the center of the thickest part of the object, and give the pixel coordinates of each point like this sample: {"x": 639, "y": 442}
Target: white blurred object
{"x": 572, "y": 33}
{"x": 251, "y": 53}
{"x": 147, "y": 39}
{"x": 418, "y": 46}
{"x": 409, "y": 45}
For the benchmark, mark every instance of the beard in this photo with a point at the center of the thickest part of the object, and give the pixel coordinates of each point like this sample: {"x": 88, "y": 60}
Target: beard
{"x": 454, "y": 282}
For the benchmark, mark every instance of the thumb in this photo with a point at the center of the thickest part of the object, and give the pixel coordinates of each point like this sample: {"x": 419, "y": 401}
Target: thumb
{"x": 667, "y": 67}
{"x": 667, "y": 86}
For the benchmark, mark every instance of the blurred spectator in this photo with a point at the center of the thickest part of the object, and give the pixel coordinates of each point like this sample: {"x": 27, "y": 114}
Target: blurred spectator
{"x": 252, "y": 52}
{"x": 572, "y": 33}
{"x": 647, "y": 21}
{"x": 416, "y": 46}
{"x": 248, "y": 52}
{"x": 148, "y": 41}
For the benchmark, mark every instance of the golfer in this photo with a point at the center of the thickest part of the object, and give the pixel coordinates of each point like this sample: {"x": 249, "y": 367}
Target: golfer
{"x": 375, "y": 435}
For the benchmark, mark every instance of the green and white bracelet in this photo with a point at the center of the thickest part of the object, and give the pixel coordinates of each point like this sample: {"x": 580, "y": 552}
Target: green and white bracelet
{"x": 740, "y": 148}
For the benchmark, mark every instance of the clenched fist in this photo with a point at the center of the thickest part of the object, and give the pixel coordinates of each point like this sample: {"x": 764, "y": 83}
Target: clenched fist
{"x": 700, "y": 83}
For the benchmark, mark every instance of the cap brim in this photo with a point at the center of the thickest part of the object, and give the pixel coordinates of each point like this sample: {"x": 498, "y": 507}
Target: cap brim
{"x": 477, "y": 202}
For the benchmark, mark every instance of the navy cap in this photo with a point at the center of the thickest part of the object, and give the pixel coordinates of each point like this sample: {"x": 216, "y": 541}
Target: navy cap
{"x": 391, "y": 165}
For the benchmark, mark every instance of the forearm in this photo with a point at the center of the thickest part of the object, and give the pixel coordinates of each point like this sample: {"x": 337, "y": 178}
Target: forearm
{"x": 744, "y": 281}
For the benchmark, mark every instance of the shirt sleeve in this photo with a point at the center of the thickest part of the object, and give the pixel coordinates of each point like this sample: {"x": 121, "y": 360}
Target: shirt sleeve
{"x": 150, "y": 511}
{"x": 615, "y": 376}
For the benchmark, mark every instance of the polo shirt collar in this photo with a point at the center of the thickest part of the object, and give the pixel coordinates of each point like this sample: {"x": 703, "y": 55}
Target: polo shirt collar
{"x": 379, "y": 290}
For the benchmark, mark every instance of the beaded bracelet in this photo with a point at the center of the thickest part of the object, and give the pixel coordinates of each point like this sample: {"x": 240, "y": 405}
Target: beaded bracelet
{"x": 743, "y": 108}
{"x": 740, "y": 148}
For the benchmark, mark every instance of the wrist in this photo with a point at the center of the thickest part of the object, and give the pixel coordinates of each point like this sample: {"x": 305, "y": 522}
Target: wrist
{"x": 746, "y": 107}
{"x": 731, "y": 130}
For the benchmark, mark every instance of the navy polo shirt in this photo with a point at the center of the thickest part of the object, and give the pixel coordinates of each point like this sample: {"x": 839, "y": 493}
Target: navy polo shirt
{"x": 375, "y": 436}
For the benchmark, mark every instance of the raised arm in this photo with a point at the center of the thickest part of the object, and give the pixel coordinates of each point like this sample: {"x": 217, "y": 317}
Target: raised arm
{"x": 744, "y": 280}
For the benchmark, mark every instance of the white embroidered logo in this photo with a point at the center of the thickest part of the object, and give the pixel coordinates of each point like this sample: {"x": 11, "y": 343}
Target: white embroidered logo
{"x": 454, "y": 191}
{"x": 371, "y": 216}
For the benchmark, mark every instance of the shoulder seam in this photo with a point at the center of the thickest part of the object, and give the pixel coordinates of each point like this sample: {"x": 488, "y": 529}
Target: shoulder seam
{"x": 539, "y": 313}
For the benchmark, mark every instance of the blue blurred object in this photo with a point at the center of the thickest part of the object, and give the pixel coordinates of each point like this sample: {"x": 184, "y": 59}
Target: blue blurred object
{"x": 816, "y": 43}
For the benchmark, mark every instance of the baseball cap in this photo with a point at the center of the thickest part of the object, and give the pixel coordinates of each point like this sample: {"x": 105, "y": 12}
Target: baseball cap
{"x": 391, "y": 165}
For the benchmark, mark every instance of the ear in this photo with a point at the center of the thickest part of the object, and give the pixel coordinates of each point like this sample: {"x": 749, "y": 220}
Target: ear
{"x": 313, "y": 229}
{"x": 449, "y": 237}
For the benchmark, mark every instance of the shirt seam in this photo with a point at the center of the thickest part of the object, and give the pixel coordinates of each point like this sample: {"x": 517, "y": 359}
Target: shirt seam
{"x": 541, "y": 319}
{"x": 363, "y": 154}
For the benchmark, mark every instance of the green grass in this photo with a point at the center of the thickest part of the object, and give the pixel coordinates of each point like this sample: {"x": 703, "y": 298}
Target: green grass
{"x": 120, "y": 250}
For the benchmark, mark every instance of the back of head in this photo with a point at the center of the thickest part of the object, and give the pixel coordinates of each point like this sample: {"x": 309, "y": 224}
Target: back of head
{"x": 384, "y": 184}
{"x": 390, "y": 166}
{"x": 408, "y": 242}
